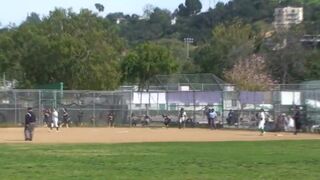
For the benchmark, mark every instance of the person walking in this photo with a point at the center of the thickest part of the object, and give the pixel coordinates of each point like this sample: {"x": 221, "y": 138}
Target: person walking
{"x": 262, "y": 121}
{"x": 30, "y": 122}
{"x": 212, "y": 117}
{"x": 297, "y": 120}
{"x": 55, "y": 119}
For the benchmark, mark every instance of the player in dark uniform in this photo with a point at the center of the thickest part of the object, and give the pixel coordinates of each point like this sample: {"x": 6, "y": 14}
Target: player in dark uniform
{"x": 29, "y": 125}
{"x": 46, "y": 117}
{"x": 65, "y": 118}
{"x": 133, "y": 120}
{"x": 110, "y": 119}
{"x": 80, "y": 116}
{"x": 166, "y": 120}
{"x": 146, "y": 120}
{"x": 297, "y": 120}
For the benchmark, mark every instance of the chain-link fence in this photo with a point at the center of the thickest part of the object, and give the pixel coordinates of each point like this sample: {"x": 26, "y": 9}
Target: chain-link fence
{"x": 235, "y": 109}
{"x": 279, "y": 105}
{"x": 84, "y": 107}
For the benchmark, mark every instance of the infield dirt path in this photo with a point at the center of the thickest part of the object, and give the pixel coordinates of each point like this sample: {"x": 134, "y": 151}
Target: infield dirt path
{"x": 128, "y": 135}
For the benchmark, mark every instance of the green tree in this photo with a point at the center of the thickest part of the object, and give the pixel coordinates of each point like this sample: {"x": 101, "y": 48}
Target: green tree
{"x": 156, "y": 26}
{"x": 313, "y": 65}
{"x": 9, "y": 56}
{"x": 229, "y": 42}
{"x": 189, "y": 8}
{"x": 34, "y": 18}
{"x": 99, "y": 7}
{"x": 81, "y": 50}
{"x": 193, "y": 6}
{"x": 148, "y": 9}
{"x": 179, "y": 52}
{"x": 147, "y": 60}
{"x": 113, "y": 17}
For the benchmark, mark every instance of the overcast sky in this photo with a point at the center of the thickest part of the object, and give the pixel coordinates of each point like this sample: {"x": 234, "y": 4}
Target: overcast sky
{"x": 15, "y": 11}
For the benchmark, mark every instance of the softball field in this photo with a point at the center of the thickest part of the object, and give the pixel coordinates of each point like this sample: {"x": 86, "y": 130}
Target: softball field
{"x": 133, "y": 135}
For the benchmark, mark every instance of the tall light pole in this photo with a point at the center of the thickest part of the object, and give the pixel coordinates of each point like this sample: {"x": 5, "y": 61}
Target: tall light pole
{"x": 188, "y": 41}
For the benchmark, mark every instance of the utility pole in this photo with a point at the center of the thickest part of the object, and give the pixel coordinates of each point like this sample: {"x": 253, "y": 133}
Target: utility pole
{"x": 4, "y": 80}
{"x": 188, "y": 41}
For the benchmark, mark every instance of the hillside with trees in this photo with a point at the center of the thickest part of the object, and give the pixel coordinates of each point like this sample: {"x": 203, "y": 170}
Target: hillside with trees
{"x": 87, "y": 51}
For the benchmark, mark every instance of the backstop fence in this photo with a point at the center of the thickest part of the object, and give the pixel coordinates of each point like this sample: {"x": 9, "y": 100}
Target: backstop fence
{"x": 90, "y": 108}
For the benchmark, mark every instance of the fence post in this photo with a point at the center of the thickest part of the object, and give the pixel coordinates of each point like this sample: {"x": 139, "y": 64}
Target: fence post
{"x": 130, "y": 108}
{"x": 15, "y": 107}
{"x": 55, "y": 99}
{"x": 39, "y": 107}
{"x": 194, "y": 105}
{"x": 167, "y": 101}
{"x": 158, "y": 106}
{"x": 241, "y": 109}
{"x": 94, "y": 108}
{"x": 222, "y": 107}
{"x": 149, "y": 103}
{"x": 140, "y": 102}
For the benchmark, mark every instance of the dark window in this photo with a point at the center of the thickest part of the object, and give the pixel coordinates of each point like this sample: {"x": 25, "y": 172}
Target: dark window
{"x": 234, "y": 102}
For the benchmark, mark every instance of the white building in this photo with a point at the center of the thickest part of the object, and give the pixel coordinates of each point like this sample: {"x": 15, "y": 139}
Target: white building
{"x": 287, "y": 16}
{"x": 174, "y": 21}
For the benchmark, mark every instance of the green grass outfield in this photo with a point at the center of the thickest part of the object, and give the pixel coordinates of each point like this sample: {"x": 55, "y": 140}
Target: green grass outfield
{"x": 216, "y": 160}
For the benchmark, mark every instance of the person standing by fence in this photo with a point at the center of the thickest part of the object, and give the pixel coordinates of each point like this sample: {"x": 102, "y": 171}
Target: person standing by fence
{"x": 262, "y": 121}
{"x": 110, "y": 119}
{"x": 297, "y": 120}
{"x": 30, "y": 122}
{"x": 55, "y": 119}
{"x": 166, "y": 120}
{"x": 65, "y": 118}
{"x": 93, "y": 120}
{"x": 182, "y": 118}
{"x": 231, "y": 119}
{"x": 46, "y": 117}
{"x": 212, "y": 117}
{"x": 206, "y": 113}
{"x": 80, "y": 115}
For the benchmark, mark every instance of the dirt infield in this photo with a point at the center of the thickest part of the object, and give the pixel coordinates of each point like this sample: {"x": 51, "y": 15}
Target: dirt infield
{"x": 127, "y": 135}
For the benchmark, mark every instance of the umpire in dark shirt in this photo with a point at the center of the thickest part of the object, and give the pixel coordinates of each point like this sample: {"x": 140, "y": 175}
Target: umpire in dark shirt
{"x": 30, "y": 122}
{"x": 297, "y": 120}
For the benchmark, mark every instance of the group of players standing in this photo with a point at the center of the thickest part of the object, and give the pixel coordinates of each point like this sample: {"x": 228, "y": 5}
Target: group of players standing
{"x": 183, "y": 118}
{"x": 262, "y": 118}
{"x": 51, "y": 118}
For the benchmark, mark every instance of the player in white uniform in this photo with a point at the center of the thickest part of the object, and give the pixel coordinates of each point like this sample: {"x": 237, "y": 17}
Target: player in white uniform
{"x": 262, "y": 122}
{"x": 182, "y": 118}
{"x": 55, "y": 119}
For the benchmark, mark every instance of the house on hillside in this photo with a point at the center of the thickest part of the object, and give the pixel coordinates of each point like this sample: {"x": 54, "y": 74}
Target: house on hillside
{"x": 287, "y": 16}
